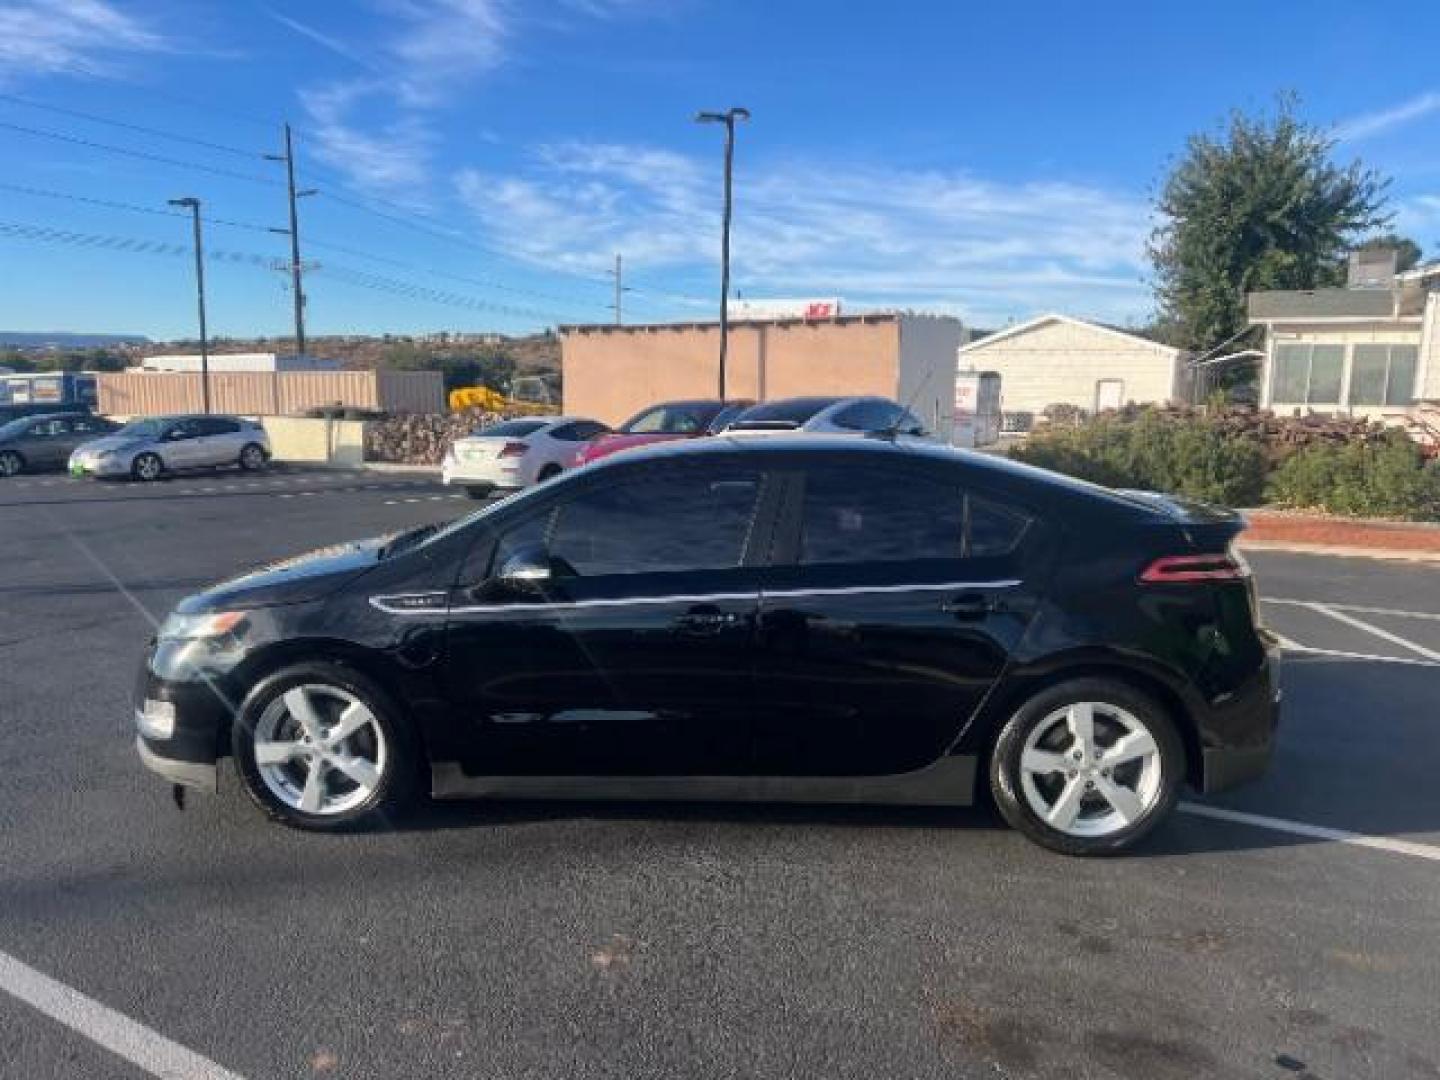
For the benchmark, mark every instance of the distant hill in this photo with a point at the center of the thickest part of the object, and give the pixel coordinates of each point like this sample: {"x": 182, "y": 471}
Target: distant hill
{"x": 47, "y": 339}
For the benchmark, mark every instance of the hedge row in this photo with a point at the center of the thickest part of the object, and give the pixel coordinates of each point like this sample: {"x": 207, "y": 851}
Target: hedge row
{"x": 1304, "y": 464}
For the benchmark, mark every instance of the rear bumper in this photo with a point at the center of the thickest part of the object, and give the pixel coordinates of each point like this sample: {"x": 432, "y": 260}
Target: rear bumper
{"x": 496, "y": 474}
{"x": 1251, "y": 720}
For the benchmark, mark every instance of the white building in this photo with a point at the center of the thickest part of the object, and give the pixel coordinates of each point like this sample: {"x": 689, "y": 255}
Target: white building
{"x": 1056, "y": 359}
{"x": 266, "y": 361}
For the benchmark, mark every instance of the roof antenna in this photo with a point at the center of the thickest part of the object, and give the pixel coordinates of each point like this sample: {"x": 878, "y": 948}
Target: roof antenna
{"x": 891, "y": 433}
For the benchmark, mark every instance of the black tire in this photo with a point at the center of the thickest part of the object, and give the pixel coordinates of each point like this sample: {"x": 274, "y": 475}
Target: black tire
{"x": 480, "y": 491}
{"x": 11, "y": 463}
{"x": 252, "y": 457}
{"x": 549, "y": 472}
{"x": 147, "y": 467}
{"x": 397, "y": 783}
{"x": 1005, "y": 773}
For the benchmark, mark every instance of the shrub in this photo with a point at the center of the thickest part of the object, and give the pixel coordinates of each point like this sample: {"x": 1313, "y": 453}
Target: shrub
{"x": 1385, "y": 478}
{"x": 1184, "y": 455}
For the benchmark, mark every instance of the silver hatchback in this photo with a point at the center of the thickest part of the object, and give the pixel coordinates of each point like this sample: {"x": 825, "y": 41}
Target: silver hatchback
{"x": 149, "y": 447}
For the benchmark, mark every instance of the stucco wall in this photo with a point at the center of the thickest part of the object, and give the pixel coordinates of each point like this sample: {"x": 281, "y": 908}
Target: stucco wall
{"x": 612, "y": 374}
{"x": 1059, "y": 362}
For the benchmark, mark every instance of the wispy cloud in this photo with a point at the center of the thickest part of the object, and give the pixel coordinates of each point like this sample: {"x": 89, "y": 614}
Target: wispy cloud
{"x": 88, "y": 37}
{"x": 877, "y": 235}
{"x": 1368, "y": 125}
{"x": 388, "y": 159}
{"x": 326, "y": 41}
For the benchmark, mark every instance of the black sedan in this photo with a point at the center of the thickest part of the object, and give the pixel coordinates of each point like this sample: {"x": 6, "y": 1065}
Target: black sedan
{"x": 34, "y": 443}
{"x": 814, "y": 619}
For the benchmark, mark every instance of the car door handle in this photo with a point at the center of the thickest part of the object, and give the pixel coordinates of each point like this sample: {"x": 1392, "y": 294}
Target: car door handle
{"x": 969, "y": 606}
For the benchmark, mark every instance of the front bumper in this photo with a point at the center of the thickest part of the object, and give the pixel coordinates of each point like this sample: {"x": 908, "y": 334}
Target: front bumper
{"x": 196, "y": 774}
{"x": 187, "y": 749}
{"x": 94, "y": 467}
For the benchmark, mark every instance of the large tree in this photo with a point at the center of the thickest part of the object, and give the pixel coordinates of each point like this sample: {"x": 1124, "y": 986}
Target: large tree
{"x": 1260, "y": 206}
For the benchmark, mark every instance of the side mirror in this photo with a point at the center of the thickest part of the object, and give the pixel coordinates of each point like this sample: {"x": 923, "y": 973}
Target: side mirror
{"x": 526, "y": 567}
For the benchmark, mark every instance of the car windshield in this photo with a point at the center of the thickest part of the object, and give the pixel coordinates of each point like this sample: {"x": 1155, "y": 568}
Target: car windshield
{"x": 791, "y": 412}
{"x": 514, "y": 429}
{"x": 678, "y": 418}
{"x": 143, "y": 429}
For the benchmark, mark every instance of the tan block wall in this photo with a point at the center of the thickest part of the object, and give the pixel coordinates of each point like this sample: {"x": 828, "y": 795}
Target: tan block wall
{"x": 1059, "y": 362}
{"x": 329, "y": 442}
{"x": 610, "y": 375}
{"x": 263, "y": 393}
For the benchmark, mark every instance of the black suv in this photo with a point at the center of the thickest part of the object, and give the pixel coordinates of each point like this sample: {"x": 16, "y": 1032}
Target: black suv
{"x": 809, "y": 618}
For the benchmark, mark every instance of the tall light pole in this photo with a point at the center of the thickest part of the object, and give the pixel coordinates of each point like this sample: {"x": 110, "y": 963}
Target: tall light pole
{"x": 294, "y": 233}
{"x": 728, "y": 118}
{"x": 193, "y": 205}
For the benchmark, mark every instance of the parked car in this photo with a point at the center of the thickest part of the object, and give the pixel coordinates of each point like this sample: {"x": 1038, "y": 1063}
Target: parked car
{"x": 150, "y": 447}
{"x": 818, "y": 619}
{"x": 665, "y": 422}
{"x": 828, "y": 415}
{"x": 516, "y": 453}
{"x": 46, "y": 441}
{"x": 18, "y": 410}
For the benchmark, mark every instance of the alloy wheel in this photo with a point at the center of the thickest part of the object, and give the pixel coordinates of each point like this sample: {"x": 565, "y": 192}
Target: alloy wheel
{"x": 1091, "y": 769}
{"x": 9, "y": 463}
{"x": 320, "y": 750}
{"x": 148, "y": 467}
{"x": 252, "y": 457}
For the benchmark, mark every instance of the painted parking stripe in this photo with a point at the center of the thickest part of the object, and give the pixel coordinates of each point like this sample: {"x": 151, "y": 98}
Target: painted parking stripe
{"x": 1342, "y": 654}
{"x": 1314, "y": 832}
{"x": 136, "y": 1043}
{"x": 1378, "y": 631}
{"x": 1358, "y": 609}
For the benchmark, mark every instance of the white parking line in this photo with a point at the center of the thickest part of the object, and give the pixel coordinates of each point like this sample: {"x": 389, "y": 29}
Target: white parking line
{"x": 1314, "y": 832}
{"x": 1342, "y": 654}
{"x": 136, "y": 1043}
{"x": 1357, "y": 608}
{"x": 1378, "y": 631}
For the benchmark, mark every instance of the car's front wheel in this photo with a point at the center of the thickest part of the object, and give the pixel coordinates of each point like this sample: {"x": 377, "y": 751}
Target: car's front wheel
{"x": 252, "y": 457}
{"x": 1087, "y": 767}
{"x": 319, "y": 746}
{"x": 11, "y": 463}
{"x": 147, "y": 467}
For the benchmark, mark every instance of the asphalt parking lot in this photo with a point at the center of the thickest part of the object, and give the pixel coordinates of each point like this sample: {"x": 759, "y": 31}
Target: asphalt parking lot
{"x": 1297, "y": 933}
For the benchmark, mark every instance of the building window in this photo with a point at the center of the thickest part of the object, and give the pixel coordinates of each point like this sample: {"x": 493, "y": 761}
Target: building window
{"x": 1383, "y": 375}
{"x": 1307, "y": 374}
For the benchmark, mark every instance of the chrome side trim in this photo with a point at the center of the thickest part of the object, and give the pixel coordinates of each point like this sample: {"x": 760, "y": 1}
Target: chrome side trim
{"x": 417, "y": 603}
{"x": 950, "y": 781}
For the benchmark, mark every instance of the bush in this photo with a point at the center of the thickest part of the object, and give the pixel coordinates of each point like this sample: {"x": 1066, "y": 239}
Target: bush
{"x": 1157, "y": 452}
{"x": 1386, "y": 478}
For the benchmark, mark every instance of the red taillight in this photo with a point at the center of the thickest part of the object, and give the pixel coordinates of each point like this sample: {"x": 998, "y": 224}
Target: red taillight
{"x": 514, "y": 449}
{"x": 1178, "y": 569}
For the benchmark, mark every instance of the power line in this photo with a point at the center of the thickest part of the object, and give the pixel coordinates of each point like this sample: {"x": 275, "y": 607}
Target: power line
{"x": 111, "y": 204}
{"x": 141, "y": 154}
{"x": 157, "y": 132}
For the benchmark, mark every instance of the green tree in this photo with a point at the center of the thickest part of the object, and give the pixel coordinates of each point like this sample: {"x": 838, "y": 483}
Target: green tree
{"x": 1407, "y": 251}
{"x": 1260, "y": 206}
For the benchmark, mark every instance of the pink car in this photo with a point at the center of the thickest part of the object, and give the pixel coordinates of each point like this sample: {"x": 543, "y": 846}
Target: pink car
{"x": 664, "y": 423}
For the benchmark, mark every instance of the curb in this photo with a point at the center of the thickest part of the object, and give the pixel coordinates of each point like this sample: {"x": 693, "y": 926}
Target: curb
{"x": 1348, "y": 551}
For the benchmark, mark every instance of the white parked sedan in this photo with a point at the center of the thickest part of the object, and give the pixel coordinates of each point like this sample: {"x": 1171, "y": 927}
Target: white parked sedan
{"x": 516, "y": 453}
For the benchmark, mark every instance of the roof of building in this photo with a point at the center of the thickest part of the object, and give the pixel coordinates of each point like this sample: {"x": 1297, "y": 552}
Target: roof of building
{"x": 1055, "y": 317}
{"x": 1306, "y": 304}
{"x": 712, "y": 324}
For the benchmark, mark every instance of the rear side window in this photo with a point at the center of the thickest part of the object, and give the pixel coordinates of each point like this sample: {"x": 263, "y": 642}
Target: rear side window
{"x": 217, "y": 425}
{"x": 872, "y": 515}
{"x": 867, "y": 416}
{"x": 579, "y": 431}
{"x": 513, "y": 429}
{"x": 790, "y": 412}
{"x": 654, "y": 524}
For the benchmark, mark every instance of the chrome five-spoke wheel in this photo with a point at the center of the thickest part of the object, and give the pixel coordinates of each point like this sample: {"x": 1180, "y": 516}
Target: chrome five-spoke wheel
{"x": 1087, "y": 767}
{"x": 1090, "y": 769}
{"x": 319, "y": 749}
{"x": 319, "y": 745}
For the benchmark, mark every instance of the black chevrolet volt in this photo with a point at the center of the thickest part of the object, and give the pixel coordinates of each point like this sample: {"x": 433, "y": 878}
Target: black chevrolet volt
{"x": 815, "y": 619}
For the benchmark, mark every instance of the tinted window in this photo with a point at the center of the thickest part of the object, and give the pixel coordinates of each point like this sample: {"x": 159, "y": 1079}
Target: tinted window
{"x": 579, "y": 431}
{"x": 216, "y": 425}
{"x": 46, "y": 428}
{"x": 726, "y": 416}
{"x": 514, "y": 429}
{"x": 993, "y": 529}
{"x": 683, "y": 521}
{"x": 87, "y": 425}
{"x": 143, "y": 429}
{"x": 794, "y": 411}
{"x": 868, "y": 416}
{"x": 679, "y": 418}
{"x": 865, "y": 515}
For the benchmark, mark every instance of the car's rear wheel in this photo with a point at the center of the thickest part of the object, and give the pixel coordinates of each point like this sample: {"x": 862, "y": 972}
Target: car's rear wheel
{"x": 147, "y": 467}
{"x": 1087, "y": 767}
{"x": 11, "y": 463}
{"x": 319, "y": 746}
{"x": 252, "y": 457}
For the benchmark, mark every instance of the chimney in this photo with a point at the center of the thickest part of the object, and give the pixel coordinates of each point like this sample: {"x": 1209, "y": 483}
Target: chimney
{"x": 1372, "y": 268}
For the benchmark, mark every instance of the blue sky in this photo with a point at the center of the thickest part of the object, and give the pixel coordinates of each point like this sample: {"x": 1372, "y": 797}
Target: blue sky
{"x": 992, "y": 161}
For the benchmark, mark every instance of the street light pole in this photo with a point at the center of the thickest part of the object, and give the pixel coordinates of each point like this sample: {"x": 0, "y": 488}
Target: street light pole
{"x": 728, "y": 118}
{"x": 193, "y": 205}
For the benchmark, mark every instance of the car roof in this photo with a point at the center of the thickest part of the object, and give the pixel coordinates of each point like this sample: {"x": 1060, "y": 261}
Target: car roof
{"x": 997, "y": 471}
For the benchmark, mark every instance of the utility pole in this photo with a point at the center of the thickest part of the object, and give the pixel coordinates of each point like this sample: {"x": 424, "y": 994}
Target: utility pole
{"x": 727, "y": 118}
{"x": 296, "y": 285}
{"x": 193, "y": 205}
{"x": 618, "y": 274}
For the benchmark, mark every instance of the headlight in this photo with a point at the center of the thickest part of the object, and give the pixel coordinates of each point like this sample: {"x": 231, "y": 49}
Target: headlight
{"x": 193, "y": 627}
